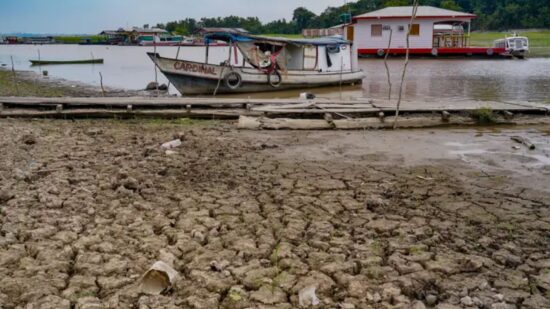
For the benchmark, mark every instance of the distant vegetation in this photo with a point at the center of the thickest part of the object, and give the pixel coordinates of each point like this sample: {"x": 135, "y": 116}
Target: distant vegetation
{"x": 79, "y": 39}
{"x": 492, "y": 15}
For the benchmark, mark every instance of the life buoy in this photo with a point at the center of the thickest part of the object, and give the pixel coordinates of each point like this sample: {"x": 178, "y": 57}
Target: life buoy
{"x": 490, "y": 52}
{"x": 435, "y": 52}
{"x": 380, "y": 53}
{"x": 275, "y": 83}
{"x": 233, "y": 80}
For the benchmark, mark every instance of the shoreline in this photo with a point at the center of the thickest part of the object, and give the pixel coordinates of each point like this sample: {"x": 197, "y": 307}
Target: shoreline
{"x": 30, "y": 83}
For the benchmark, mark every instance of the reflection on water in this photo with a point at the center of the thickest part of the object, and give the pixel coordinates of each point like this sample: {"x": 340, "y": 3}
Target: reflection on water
{"x": 479, "y": 79}
{"x": 427, "y": 79}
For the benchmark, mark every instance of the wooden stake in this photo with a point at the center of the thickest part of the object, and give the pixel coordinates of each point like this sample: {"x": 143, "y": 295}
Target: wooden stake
{"x": 101, "y": 83}
{"x": 156, "y": 74}
{"x": 14, "y": 76}
{"x": 386, "y": 64}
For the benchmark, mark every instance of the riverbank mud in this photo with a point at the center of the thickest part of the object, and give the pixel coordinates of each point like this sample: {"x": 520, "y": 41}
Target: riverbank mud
{"x": 254, "y": 219}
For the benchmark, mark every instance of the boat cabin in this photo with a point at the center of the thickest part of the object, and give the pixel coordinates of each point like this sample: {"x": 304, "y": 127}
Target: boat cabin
{"x": 328, "y": 54}
{"x": 433, "y": 30}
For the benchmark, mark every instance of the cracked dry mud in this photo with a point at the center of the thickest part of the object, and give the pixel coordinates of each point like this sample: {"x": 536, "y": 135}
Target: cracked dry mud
{"x": 86, "y": 207}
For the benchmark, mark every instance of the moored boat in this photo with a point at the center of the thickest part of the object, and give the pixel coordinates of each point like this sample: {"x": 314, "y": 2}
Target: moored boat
{"x": 515, "y": 46}
{"x": 48, "y": 62}
{"x": 258, "y": 64}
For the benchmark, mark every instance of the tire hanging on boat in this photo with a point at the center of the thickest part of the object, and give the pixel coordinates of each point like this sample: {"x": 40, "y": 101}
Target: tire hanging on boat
{"x": 274, "y": 83}
{"x": 233, "y": 80}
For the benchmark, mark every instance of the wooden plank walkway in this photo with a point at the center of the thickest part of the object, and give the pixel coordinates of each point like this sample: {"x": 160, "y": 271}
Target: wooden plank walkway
{"x": 172, "y": 107}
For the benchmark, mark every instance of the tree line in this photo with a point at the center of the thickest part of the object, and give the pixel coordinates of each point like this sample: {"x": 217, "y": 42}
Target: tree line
{"x": 492, "y": 15}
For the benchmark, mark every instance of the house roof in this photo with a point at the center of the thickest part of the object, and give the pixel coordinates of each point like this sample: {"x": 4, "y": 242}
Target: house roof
{"x": 406, "y": 12}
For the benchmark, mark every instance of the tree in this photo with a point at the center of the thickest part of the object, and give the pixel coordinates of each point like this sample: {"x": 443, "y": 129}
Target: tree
{"x": 302, "y": 17}
{"x": 450, "y": 5}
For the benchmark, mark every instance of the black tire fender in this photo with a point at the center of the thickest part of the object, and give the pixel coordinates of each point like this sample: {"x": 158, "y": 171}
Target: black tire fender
{"x": 233, "y": 80}
{"x": 278, "y": 82}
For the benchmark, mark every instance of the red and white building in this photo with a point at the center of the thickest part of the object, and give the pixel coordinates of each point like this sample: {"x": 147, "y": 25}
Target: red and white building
{"x": 434, "y": 32}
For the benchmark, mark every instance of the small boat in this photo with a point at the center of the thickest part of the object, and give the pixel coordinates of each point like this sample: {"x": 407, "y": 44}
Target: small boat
{"x": 48, "y": 62}
{"x": 258, "y": 64}
{"x": 515, "y": 46}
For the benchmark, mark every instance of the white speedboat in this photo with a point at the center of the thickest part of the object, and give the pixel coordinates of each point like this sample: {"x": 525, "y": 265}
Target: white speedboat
{"x": 256, "y": 64}
{"x": 515, "y": 46}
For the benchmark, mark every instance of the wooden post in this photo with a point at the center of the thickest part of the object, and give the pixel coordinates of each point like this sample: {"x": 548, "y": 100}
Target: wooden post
{"x": 59, "y": 108}
{"x": 101, "y": 83}
{"x": 129, "y": 108}
{"x": 14, "y": 76}
{"x": 156, "y": 74}
{"x": 1, "y": 107}
{"x": 188, "y": 108}
{"x": 386, "y": 64}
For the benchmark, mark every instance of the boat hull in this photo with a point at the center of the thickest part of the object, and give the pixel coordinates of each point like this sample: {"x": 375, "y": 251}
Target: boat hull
{"x": 193, "y": 78}
{"x": 47, "y": 62}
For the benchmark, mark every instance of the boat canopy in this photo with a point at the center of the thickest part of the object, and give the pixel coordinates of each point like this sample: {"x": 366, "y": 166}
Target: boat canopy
{"x": 239, "y": 37}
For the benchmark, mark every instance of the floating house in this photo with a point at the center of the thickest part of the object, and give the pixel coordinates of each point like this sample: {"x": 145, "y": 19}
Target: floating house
{"x": 38, "y": 40}
{"x": 134, "y": 35}
{"x": 435, "y": 32}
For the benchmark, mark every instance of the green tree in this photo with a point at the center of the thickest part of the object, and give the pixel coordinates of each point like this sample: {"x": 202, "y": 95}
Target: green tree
{"x": 450, "y": 5}
{"x": 302, "y": 18}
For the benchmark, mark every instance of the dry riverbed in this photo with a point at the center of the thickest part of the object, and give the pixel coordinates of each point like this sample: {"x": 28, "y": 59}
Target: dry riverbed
{"x": 451, "y": 218}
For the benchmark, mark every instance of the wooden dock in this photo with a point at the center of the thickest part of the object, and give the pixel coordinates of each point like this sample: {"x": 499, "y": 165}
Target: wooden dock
{"x": 331, "y": 113}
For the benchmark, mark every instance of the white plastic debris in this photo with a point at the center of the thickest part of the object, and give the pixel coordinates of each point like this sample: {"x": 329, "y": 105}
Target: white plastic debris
{"x": 172, "y": 144}
{"x": 307, "y": 297}
{"x": 158, "y": 278}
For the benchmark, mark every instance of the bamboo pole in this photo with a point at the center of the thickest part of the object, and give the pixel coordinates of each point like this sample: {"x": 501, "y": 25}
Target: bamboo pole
{"x": 386, "y": 64}
{"x": 415, "y": 9}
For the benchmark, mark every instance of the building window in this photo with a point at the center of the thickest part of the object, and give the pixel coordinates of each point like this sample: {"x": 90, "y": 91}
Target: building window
{"x": 415, "y": 29}
{"x": 376, "y": 30}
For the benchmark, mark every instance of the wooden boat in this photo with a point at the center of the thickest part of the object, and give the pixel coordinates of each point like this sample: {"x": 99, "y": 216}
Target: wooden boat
{"x": 48, "y": 62}
{"x": 257, "y": 64}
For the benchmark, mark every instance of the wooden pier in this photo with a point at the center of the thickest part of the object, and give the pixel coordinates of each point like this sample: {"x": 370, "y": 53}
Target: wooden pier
{"x": 265, "y": 113}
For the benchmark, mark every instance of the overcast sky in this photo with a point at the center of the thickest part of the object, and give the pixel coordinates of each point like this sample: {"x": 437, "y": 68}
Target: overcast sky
{"x": 92, "y": 16}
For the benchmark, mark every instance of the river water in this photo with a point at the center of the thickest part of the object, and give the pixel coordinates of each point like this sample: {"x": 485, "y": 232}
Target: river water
{"x": 129, "y": 67}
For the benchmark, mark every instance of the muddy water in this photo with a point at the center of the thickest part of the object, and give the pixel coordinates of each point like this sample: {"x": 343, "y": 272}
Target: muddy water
{"x": 427, "y": 79}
